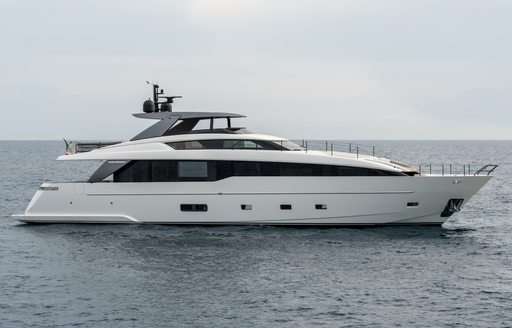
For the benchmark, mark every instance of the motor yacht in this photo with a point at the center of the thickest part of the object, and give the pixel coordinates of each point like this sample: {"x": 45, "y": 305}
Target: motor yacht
{"x": 201, "y": 168}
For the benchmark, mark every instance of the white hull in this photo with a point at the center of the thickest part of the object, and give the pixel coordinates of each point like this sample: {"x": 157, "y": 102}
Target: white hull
{"x": 352, "y": 201}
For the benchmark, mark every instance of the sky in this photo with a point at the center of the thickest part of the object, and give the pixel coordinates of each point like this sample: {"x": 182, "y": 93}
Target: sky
{"x": 314, "y": 69}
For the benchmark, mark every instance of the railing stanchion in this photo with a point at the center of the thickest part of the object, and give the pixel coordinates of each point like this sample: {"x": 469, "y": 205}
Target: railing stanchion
{"x": 464, "y": 170}
{"x": 325, "y": 145}
{"x": 357, "y": 151}
{"x": 350, "y": 148}
{"x": 430, "y": 168}
{"x": 450, "y": 169}
{"x": 373, "y": 151}
{"x": 306, "y": 146}
{"x": 419, "y": 168}
{"x": 469, "y": 169}
{"x": 281, "y": 144}
{"x": 331, "y": 148}
{"x": 442, "y": 170}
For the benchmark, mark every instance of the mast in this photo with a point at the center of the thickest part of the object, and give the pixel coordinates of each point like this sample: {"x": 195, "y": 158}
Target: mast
{"x": 158, "y": 106}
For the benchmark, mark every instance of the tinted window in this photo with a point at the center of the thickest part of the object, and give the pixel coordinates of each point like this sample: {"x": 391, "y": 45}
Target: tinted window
{"x": 296, "y": 170}
{"x": 246, "y": 169}
{"x": 161, "y": 170}
{"x": 187, "y": 145}
{"x": 192, "y": 169}
{"x": 225, "y": 144}
{"x": 137, "y": 171}
{"x": 242, "y": 144}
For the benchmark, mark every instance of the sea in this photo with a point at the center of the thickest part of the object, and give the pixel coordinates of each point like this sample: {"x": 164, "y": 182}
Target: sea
{"x": 71, "y": 275}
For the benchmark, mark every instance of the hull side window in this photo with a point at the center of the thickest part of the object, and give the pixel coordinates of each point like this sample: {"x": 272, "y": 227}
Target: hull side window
{"x": 168, "y": 170}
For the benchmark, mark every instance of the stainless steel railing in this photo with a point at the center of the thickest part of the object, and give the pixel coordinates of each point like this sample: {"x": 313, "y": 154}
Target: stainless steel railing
{"x": 456, "y": 169}
{"x": 337, "y": 146}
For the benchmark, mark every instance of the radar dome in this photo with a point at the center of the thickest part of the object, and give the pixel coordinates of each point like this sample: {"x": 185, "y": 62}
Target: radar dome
{"x": 166, "y": 107}
{"x": 148, "y": 106}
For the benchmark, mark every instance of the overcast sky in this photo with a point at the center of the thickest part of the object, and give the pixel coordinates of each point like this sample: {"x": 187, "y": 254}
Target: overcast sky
{"x": 353, "y": 69}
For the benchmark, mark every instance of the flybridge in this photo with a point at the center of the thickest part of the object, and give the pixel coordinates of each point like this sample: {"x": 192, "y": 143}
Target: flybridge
{"x": 174, "y": 123}
{"x": 169, "y": 125}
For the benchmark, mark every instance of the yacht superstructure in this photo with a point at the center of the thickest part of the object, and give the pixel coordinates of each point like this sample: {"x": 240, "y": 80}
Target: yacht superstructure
{"x": 197, "y": 168}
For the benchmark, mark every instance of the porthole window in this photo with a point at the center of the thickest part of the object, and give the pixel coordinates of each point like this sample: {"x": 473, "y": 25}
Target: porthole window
{"x": 286, "y": 206}
{"x": 321, "y": 206}
{"x": 246, "y": 207}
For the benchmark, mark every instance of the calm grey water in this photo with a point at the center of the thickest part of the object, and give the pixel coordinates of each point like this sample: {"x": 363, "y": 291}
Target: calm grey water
{"x": 459, "y": 275}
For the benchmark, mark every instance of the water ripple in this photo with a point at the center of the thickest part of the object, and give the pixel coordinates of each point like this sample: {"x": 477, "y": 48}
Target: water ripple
{"x": 160, "y": 276}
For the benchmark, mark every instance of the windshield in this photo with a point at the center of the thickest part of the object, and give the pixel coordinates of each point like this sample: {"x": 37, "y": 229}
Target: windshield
{"x": 288, "y": 145}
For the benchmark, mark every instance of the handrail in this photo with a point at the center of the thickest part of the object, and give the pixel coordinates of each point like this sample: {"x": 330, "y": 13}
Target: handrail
{"x": 337, "y": 146}
{"x": 455, "y": 169}
{"x": 361, "y": 149}
{"x": 77, "y": 146}
{"x": 330, "y": 147}
{"x": 489, "y": 168}
{"x": 320, "y": 145}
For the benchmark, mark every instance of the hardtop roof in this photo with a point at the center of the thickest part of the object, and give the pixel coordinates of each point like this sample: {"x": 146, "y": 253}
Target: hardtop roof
{"x": 187, "y": 115}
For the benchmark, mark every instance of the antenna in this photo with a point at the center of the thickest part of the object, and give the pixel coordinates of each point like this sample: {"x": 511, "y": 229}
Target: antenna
{"x": 165, "y": 106}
